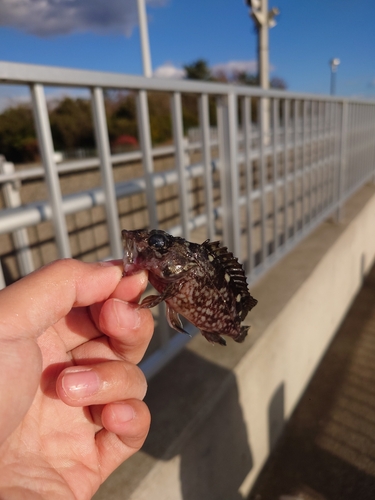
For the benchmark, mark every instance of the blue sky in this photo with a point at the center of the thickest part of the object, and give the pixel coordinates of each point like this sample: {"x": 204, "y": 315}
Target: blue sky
{"x": 103, "y": 35}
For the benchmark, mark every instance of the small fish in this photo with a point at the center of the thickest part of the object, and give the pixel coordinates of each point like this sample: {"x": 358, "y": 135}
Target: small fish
{"x": 204, "y": 283}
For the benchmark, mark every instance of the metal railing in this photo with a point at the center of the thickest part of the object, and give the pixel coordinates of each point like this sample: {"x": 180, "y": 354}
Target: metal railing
{"x": 276, "y": 166}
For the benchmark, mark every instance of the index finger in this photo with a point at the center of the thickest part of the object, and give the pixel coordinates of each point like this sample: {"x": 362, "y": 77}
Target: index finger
{"x": 42, "y": 298}
{"x": 128, "y": 328}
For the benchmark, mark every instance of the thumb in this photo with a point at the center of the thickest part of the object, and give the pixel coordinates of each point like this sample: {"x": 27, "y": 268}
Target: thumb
{"x": 27, "y": 309}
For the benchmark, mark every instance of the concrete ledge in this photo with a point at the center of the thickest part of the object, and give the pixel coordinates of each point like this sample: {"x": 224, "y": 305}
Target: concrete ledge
{"x": 218, "y": 412}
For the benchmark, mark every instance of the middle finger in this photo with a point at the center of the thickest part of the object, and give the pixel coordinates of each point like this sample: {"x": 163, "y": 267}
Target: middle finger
{"x": 100, "y": 383}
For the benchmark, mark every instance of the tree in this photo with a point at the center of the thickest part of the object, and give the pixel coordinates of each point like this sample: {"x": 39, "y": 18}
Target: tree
{"x": 198, "y": 70}
{"x": 247, "y": 79}
{"x": 121, "y": 115}
{"x": 17, "y": 135}
{"x": 71, "y": 124}
{"x": 278, "y": 83}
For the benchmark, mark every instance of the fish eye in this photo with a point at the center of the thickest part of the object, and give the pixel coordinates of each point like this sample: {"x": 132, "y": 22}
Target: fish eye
{"x": 158, "y": 241}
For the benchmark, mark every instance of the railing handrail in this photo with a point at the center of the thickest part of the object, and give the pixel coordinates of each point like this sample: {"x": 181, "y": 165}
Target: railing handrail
{"x": 20, "y": 73}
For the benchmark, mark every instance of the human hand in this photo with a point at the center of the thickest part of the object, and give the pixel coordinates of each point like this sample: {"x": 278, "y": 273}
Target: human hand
{"x": 70, "y": 391}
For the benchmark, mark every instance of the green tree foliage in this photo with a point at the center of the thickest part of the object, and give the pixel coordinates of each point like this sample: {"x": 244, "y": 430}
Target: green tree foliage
{"x": 198, "y": 70}
{"x": 71, "y": 125}
{"x": 121, "y": 115}
{"x": 278, "y": 83}
{"x": 17, "y": 134}
{"x": 160, "y": 117}
{"x": 247, "y": 79}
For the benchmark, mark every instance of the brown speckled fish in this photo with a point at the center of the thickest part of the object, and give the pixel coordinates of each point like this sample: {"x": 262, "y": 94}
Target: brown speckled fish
{"x": 204, "y": 283}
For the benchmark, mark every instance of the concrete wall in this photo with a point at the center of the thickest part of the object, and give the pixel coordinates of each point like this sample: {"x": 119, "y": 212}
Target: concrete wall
{"x": 217, "y": 412}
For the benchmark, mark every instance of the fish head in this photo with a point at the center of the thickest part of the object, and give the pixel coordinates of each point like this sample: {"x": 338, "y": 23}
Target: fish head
{"x": 162, "y": 254}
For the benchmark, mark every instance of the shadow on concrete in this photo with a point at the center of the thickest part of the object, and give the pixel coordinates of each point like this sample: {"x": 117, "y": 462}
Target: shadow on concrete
{"x": 327, "y": 451}
{"x": 214, "y": 460}
{"x": 276, "y": 416}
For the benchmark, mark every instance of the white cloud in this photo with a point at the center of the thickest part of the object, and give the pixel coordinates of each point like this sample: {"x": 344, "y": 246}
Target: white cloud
{"x": 59, "y": 17}
{"x": 168, "y": 70}
{"x": 231, "y": 67}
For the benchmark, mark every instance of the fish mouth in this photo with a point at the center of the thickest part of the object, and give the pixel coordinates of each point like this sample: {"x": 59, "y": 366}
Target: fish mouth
{"x": 130, "y": 252}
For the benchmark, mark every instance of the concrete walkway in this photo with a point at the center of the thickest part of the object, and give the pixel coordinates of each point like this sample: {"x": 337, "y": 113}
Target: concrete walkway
{"x": 327, "y": 451}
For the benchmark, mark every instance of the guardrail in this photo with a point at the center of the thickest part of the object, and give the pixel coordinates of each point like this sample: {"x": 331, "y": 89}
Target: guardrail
{"x": 281, "y": 164}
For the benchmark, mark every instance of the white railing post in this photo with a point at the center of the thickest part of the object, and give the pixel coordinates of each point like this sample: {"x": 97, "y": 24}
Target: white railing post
{"x": 147, "y": 158}
{"x": 180, "y": 159}
{"x": 12, "y": 199}
{"x": 262, "y": 166}
{"x": 102, "y": 142}
{"x": 43, "y": 130}
{"x": 205, "y": 134}
{"x": 247, "y": 133}
{"x": 229, "y": 172}
{"x": 343, "y": 160}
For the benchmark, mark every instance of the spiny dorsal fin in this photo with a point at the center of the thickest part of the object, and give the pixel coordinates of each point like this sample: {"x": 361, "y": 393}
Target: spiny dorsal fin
{"x": 233, "y": 272}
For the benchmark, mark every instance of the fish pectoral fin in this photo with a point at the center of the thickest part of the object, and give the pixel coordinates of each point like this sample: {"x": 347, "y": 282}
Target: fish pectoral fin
{"x": 243, "y": 333}
{"x": 213, "y": 337}
{"x": 175, "y": 321}
{"x": 155, "y": 300}
{"x": 150, "y": 301}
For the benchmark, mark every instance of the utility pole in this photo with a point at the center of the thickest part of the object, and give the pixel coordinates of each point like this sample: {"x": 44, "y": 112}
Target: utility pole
{"x": 143, "y": 33}
{"x": 264, "y": 20}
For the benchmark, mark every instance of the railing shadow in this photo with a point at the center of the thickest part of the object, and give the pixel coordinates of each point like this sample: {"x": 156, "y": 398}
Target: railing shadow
{"x": 214, "y": 459}
{"x": 327, "y": 451}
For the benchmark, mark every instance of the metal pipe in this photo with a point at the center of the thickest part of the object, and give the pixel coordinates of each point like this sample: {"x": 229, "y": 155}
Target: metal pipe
{"x": 43, "y": 130}
{"x": 275, "y": 130}
{"x": 206, "y": 159}
{"x": 262, "y": 182}
{"x": 148, "y": 163}
{"x": 247, "y": 132}
{"x": 16, "y": 73}
{"x": 227, "y": 125}
{"x": 343, "y": 159}
{"x": 295, "y": 167}
{"x": 102, "y": 141}
{"x": 143, "y": 33}
{"x": 180, "y": 159}
{"x": 285, "y": 173}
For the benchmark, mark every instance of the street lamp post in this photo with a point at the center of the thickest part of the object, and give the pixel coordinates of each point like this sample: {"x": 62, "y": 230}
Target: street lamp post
{"x": 143, "y": 33}
{"x": 334, "y": 63}
{"x": 264, "y": 20}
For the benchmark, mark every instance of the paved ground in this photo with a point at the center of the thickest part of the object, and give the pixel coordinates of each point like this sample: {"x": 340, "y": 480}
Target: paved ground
{"x": 327, "y": 451}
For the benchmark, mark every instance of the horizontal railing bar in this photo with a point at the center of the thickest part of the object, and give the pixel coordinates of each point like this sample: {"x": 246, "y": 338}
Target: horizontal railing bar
{"x": 90, "y": 163}
{"x": 85, "y": 164}
{"x": 34, "y": 213}
{"x": 18, "y": 73}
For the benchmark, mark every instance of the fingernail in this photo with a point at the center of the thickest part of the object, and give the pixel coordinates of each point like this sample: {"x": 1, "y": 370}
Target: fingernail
{"x": 80, "y": 383}
{"x": 123, "y": 413}
{"x": 110, "y": 263}
{"x": 127, "y": 317}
